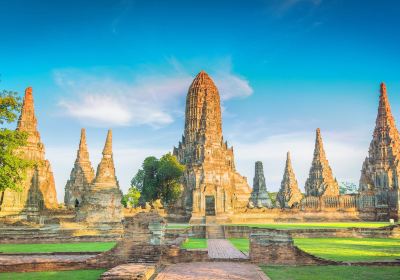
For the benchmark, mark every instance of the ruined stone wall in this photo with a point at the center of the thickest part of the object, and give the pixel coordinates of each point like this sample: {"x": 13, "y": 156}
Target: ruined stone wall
{"x": 384, "y": 232}
{"x": 276, "y": 247}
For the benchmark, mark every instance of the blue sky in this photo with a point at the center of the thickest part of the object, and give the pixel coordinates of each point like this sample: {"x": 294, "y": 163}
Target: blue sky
{"x": 283, "y": 68}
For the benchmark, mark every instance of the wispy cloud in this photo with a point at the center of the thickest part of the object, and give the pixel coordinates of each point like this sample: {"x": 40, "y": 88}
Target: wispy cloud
{"x": 98, "y": 98}
{"x": 286, "y": 5}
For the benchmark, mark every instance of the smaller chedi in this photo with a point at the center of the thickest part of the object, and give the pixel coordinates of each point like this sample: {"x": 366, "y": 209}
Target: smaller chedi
{"x": 259, "y": 195}
{"x": 320, "y": 181}
{"x": 289, "y": 194}
{"x": 101, "y": 203}
{"x": 82, "y": 175}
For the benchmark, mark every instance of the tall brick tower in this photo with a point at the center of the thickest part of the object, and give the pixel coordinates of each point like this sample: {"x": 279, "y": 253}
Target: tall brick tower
{"x": 212, "y": 187}
{"x": 380, "y": 171}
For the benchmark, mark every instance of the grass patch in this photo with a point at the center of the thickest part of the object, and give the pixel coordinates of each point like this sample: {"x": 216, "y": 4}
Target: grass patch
{"x": 92, "y": 274}
{"x": 57, "y": 247}
{"x": 351, "y": 249}
{"x": 242, "y": 244}
{"x": 177, "y": 226}
{"x": 195, "y": 243}
{"x": 317, "y": 225}
{"x": 331, "y": 272}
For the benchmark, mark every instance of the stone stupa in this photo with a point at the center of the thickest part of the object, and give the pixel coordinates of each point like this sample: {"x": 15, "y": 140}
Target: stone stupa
{"x": 101, "y": 204}
{"x": 320, "y": 181}
{"x": 82, "y": 175}
{"x": 38, "y": 189}
{"x": 289, "y": 194}
{"x": 259, "y": 196}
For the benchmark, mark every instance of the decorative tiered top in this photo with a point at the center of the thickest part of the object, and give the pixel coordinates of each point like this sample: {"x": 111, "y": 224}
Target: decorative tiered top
{"x": 289, "y": 193}
{"x": 105, "y": 175}
{"x": 320, "y": 181}
{"x": 27, "y": 122}
{"x": 203, "y": 124}
{"x": 203, "y": 109}
{"x": 381, "y": 168}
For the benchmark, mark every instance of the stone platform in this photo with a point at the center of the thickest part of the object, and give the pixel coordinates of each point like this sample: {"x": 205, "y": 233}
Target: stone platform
{"x": 129, "y": 272}
{"x": 43, "y": 262}
{"x": 212, "y": 271}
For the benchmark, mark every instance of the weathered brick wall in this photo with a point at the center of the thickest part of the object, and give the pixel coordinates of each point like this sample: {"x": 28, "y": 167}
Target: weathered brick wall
{"x": 269, "y": 246}
{"x": 383, "y": 232}
{"x": 197, "y": 231}
{"x": 174, "y": 254}
{"x": 265, "y": 215}
{"x": 237, "y": 231}
{"x": 43, "y": 266}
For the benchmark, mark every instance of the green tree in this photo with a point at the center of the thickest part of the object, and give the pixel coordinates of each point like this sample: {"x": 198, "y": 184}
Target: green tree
{"x": 159, "y": 179}
{"x": 150, "y": 189}
{"x": 168, "y": 175}
{"x": 131, "y": 199}
{"x": 12, "y": 165}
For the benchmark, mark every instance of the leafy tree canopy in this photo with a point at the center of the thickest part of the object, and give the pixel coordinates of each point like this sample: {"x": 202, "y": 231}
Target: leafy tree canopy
{"x": 12, "y": 165}
{"x": 159, "y": 179}
{"x": 131, "y": 199}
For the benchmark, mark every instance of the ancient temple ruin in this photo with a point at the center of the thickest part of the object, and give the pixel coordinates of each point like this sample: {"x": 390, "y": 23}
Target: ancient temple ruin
{"x": 38, "y": 189}
{"x": 212, "y": 187}
{"x": 320, "y": 181}
{"x": 380, "y": 170}
{"x": 82, "y": 175}
{"x": 259, "y": 195}
{"x": 101, "y": 203}
{"x": 289, "y": 194}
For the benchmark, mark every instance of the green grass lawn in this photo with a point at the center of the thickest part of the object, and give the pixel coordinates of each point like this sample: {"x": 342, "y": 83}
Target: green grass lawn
{"x": 351, "y": 249}
{"x": 242, "y": 244}
{"x": 57, "y": 247}
{"x": 332, "y": 272}
{"x": 177, "y": 226}
{"x": 195, "y": 243}
{"x": 92, "y": 274}
{"x": 317, "y": 225}
{"x": 341, "y": 249}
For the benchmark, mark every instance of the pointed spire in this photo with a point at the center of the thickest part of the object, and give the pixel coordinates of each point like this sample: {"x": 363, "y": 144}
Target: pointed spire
{"x": 320, "y": 180}
{"x": 288, "y": 162}
{"x": 289, "y": 193}
{"x": 27, "y": 120}
{"x": 380, "y": 167}
{"x": 83, "y": 153}
{"x": 385, "y": 117}
{"x": 319, "y": 146}
{"x": 81, "y": 176}
{"x": 107, "y": 151}
{"x": 105, "y": 174}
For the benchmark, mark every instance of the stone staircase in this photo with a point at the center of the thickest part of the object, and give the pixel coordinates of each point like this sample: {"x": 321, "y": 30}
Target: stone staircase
{"x": 215, "y": 232}
{"x": 213, "y": 229}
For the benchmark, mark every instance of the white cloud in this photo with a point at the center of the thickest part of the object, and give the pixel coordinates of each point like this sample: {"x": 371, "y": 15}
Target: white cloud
{"x": 231, "y": 86}
{"x": 97, "y": 98}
